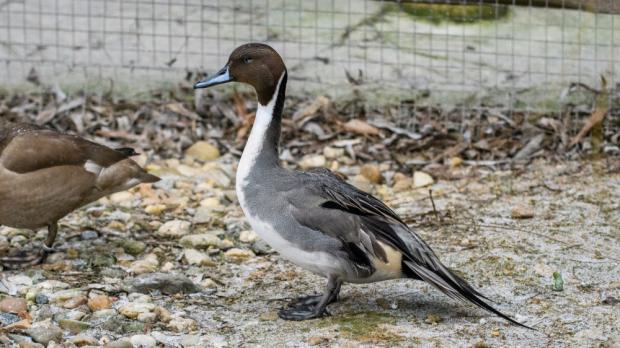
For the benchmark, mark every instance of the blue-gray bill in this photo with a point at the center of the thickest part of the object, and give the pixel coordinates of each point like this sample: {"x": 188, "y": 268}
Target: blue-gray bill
{"x": 218, "y": 78}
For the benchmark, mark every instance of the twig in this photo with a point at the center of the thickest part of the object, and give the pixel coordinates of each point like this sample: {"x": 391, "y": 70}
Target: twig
{"x": 601, "y": 109}
{"x": 430, "y": 193}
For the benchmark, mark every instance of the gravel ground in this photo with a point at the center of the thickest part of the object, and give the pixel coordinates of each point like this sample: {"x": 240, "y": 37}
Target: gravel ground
{"x": 175, "y": 264}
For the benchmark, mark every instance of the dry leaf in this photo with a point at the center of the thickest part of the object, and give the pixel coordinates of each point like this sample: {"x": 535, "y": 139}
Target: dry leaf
{"x": 17, "y": 326}
{"x": 600, "y": 111}
{"x": 179, "y": 109}
{"x": 360, "y": 127}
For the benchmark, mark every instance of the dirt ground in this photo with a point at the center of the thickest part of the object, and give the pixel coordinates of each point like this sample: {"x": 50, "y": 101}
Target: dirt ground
{"x": 505, "y": 231}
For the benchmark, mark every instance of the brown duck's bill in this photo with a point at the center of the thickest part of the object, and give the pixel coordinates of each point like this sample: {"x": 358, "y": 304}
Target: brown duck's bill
{"x": 220, "y": 77}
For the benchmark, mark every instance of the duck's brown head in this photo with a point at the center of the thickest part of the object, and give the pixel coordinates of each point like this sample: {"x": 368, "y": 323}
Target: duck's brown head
{"x": 256, "y": 64}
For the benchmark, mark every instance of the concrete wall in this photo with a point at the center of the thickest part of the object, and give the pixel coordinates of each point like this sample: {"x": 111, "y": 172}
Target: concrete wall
{"x": 519, "y": 57}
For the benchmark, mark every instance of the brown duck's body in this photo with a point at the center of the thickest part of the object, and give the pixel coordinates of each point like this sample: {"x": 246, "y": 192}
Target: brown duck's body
{"x": 45, "y": 175}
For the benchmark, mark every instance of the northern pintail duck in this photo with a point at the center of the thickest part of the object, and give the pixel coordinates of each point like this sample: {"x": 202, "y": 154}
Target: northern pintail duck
{"x": 315, "y": 219}
{"x": 45, "y": 175}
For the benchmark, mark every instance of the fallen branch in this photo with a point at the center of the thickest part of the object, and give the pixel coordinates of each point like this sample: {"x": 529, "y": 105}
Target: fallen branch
{"x": 595, "y": 6}
{"x": 600, "y": 111}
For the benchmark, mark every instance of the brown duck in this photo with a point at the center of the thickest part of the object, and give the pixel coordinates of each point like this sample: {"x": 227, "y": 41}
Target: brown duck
{"x": 45, "y": 175}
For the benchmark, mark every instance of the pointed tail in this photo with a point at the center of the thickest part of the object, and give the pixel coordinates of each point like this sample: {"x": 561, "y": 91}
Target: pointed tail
{"x": 455, "y": 287}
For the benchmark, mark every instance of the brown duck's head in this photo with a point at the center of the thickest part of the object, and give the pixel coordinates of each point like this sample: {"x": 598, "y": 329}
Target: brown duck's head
{"x": 256, "y": 64}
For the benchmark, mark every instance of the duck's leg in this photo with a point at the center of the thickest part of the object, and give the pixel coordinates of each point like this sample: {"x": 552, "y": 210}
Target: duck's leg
{"x": 48, "y": 247}
{"x": 25, "y": 258}
{"x": 312, "y": 306}
{"x": 313, "y": 300}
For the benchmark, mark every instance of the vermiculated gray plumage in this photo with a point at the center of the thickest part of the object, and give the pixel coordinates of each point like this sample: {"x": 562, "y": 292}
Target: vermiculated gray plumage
{"x": 314, "y": 218}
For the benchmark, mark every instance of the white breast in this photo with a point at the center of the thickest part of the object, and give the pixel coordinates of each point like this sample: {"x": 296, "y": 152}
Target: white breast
{"x": 317, "y": 262}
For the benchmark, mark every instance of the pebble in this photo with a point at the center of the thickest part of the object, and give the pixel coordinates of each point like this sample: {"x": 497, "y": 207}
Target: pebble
{"x": 174, "y": 229}
{"x": 8, "y": 319}
{"x": 162, "y": 314}
{"x": 51, "y": 285}
{"x": 124, "y": 199}
{"x": 248, "y": 236}
{"x": 312, "y": 161}
{"x": 84, "y": 341}
{"x": 132, "y": 309}
{"x": 167, "y": 284}
{"x": 99, "y": 302}
{"x": 75, "y": 302}
{"x": 65, "y": 295}
{"x": 333, "y": 152}
{"x": 371, "y": 172}
{"x": 102, "y": 260}
{"x": 104, "y": 314}
{"x": 208, "y": 284}
{"x": 122, "y": 343}
{"x": 182, "y": 325}
{"x": 147, "y": 317}
{"x": 190, "y": 341}
{"x": 13, "y": 305}
{"x": 22, "y": 341}
{"x": 195, "y": 257}
{"x": 522, "y": 212}
{"x": 143, "y": 341}
{"x": 72, "y": 315}
{"x": 148, "y": 264}
{"x": 422, "y": 179}
{"x": 226, "y": 244}
{"x": 202, "y": 215}
{"x": 73, "y": 326}
{"x": 362, "y": 183}
{"x": 167, "y": 267}
{"x": 200, "y": 241}
{"x": 139, "y": 297}
{"x": 401, "y": 182}
{"x": 455, "y": 162}
{"x": 317, "y": 340}
{"x": 217, "y": 175}
{"x": 237, "y": 255}
{"x": 44, "y": 332}
{"x": 89, "y": 234}
{"x": 203, "y": 151}
{"x": 133, "y": 247}
{"x": 15, "y": 284}
{"x": 155, "y": 209}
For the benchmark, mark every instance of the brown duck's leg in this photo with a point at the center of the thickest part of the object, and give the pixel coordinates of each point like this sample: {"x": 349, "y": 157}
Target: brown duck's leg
{"x": 26, "y": 258}
{"x": 311, "y": 307}
{"x": 52, "y": 230}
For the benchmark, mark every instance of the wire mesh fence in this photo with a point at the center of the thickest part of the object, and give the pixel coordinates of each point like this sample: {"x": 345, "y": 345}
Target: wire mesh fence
{"x": 489, "y": 54}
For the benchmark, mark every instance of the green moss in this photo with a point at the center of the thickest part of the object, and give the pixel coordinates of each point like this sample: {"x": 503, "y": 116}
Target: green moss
{"x": 453, "y": 13}
{"x": 365, "y": 327}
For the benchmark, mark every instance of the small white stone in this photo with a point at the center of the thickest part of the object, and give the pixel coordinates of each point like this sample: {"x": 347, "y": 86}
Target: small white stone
{"x": 133, "y": 309}
{"x": 143, "y": 341}
{"x": 312, "y": 161}
{"x": 195, "y": 257}
{"x": 174, "y": 229}
{"x": 148, "y": 264}
{"x": 248, "y": 236}
{"x": 182, "y": 325}
{"x": 422, "y": 179}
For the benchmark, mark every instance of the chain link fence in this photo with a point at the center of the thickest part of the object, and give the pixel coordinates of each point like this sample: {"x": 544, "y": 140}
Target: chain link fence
{"x": 491, "y": 55}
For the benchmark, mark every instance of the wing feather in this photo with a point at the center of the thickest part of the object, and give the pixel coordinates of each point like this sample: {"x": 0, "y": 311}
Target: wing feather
{"x": 375, "y": 221}
{"x": 28, "y": 148}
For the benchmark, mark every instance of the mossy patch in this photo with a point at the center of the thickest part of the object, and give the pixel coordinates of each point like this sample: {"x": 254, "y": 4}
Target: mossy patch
{"x": 454, "y": 13}
{"x": 367, "y": 327}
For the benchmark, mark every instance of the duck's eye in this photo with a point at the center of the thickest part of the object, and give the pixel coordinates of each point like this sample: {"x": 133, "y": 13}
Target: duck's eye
{"x": 247, "y": 60}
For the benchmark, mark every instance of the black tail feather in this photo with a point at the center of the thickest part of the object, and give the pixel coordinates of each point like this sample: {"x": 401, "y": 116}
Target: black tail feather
{"x": 455, "y": 287}
{"x": 127, "y": 151}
